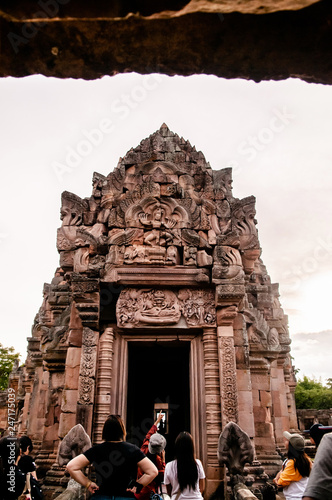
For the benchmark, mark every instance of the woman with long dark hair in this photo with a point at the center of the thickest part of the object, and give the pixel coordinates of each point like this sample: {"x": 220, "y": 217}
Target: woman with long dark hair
{"x": 184, "y": 476}
{"x": 296, "y": 470}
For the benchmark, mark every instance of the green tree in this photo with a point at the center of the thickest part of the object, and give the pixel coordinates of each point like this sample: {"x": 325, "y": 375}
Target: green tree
{"x": 311, "y": 393}
{"x": 329, "y": 383}
{"x": 7, "y": 360}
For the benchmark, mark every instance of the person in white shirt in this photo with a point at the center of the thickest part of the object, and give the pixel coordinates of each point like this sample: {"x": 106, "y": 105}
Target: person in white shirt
{"x": 184, "y": 476}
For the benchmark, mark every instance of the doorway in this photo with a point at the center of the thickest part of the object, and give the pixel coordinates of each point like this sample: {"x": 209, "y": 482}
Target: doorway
{"x": 158, "y": 372}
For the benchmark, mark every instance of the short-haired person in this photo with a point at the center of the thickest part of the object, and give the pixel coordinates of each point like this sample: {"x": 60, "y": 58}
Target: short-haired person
{"x": 115, "y": 463}
{"x": 154, "y": 448}
{"x": 319, "y": 486}
{"x": 296, "y": 469}
{"x": 317, "y": 431}
{"x": 184, "y": 476}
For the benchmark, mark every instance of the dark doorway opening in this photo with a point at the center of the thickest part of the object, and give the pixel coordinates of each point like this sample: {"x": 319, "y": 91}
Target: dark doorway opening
{"x": 158, "y": 372}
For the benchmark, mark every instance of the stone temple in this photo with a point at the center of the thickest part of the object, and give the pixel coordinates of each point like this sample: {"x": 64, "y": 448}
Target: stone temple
{"x": 161, "y": 301}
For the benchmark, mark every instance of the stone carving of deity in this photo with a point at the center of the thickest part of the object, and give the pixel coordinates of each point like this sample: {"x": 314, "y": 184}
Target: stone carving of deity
{"x": 147, "y": 307}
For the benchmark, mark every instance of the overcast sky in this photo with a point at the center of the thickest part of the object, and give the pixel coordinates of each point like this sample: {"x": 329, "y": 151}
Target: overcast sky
{"x": 276, "y": 135}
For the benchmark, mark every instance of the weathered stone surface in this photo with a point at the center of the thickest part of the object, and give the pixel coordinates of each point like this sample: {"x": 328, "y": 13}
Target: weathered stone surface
{"x": 73, "y": 444}
{"x": 235, "y": 448}
{"x": 69, "y": 401}
{"x": 67, "y": 421}
{"x": 78, "y": 40}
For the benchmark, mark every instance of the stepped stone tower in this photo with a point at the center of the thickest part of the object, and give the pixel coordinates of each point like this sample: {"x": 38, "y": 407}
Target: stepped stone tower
{"x": 161, "y": 301}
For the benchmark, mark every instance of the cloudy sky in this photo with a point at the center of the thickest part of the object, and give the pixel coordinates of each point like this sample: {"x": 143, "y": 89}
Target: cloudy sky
{"x": 276, "y": 136}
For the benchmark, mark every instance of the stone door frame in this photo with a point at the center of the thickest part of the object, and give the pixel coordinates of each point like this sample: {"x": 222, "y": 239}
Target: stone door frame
{"x": 196, "y": 378}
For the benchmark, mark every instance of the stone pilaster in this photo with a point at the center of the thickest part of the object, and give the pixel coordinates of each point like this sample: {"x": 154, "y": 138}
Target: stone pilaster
{"x": 212, "y": 401}
{"x": 264, "y": 431}
{"x": 104, "y": 381}
{"x": 227, "y": 370}
{"x": 48, "y": 452}
{"x": 290, "y": 381}
{"x": 279, "y": 392}
{"x": 228, "y": 296}
{"x": 86, "y": 381}
{"x": 243, "y": 376}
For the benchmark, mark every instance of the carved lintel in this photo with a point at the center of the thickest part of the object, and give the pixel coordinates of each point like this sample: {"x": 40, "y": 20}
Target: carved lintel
{"x": 148, "y": 307}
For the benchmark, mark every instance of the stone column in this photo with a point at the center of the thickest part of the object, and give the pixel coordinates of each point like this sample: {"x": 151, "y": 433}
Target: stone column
{"x": 214, "y": 472}
{"x": 104, "y": 381}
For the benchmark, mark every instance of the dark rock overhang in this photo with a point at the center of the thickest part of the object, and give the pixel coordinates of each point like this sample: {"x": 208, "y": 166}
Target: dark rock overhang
{"x": 232, "y": 39}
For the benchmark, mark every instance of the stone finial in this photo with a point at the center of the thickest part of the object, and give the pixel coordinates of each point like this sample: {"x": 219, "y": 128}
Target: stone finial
{"x": 74, "y": 443}
{"x": 234, "y": 448}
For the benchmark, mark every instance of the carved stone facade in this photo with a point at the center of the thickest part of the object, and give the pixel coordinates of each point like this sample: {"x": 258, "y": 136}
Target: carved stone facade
{"x": 161, "y": 255}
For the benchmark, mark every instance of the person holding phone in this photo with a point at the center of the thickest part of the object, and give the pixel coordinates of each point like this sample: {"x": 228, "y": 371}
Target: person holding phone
{"x": 154, "y": 448}
{"x": 115, "y": 462}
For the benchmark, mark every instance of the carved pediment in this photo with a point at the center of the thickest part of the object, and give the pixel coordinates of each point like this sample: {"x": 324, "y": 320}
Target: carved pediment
{"x": 161, "y": 206}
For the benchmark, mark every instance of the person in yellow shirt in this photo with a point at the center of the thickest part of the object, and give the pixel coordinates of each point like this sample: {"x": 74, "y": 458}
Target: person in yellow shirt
{"x": 293, "y": 477}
